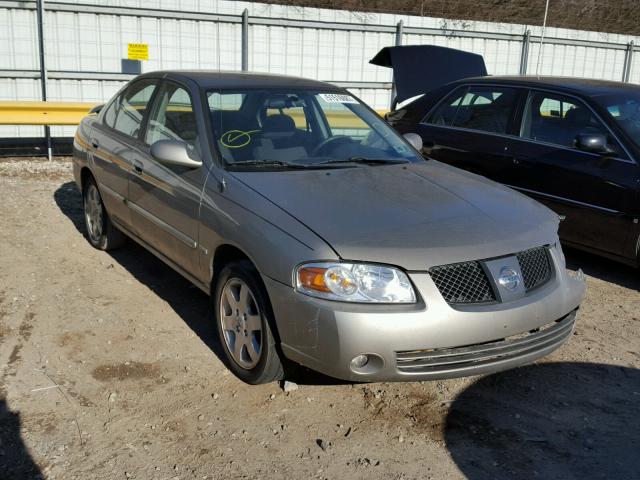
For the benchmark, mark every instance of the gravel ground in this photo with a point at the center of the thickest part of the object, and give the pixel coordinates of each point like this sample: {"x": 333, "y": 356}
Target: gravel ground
{"x": 109, "y": 368}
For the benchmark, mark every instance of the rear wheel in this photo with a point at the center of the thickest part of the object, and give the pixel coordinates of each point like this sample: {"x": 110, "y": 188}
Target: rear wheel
{"x": 243, "y": 320}
{"x": 102, "y": 234}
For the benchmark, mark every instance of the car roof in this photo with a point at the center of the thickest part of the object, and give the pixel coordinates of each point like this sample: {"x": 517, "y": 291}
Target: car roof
{"x": 586, "y": 86}
{"x": 225, "y": 80}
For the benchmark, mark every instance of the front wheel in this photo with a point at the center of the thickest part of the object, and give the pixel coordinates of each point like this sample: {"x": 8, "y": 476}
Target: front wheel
{"x": 243, "y": 320}
{"x": 100, "y": 231}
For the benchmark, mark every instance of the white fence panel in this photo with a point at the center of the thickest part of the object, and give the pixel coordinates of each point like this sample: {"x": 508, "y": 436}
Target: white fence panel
{"x": 329, "y": 45}
{"x": 634, "y": 76}
{"x": 18, "y": 39}
{"x": 577, "y": 61}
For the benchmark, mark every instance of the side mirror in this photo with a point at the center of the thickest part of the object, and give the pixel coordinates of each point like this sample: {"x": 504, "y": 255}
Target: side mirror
{"x": 96, "y": 109}
{"x": 415, "y": 140}
{"x": 592, "y": 142}
{"x": 173, "y": 152}
{"x": 394, "y": 116}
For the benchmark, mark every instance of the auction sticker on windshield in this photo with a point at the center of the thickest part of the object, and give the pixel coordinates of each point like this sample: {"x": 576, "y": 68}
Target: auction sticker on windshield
{"x": 337, "y": 98}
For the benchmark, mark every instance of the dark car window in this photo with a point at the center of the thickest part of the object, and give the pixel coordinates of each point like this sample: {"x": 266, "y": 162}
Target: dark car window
{"x": 559, "y": 119}
{"x": 624, "y": 108}
{"x": 172, "y": 116}
{"x": 478, "y": 108}
{"x": 131, "y": 106}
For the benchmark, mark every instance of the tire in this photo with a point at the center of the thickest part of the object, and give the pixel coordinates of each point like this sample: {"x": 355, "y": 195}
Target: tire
{"x": 244, "y": 321}
{"x": 101, "y": 233}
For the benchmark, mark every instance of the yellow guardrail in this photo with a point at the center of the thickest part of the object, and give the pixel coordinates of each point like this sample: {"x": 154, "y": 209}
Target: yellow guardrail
{"x": 344, "y": 119}
{"x": 70, "y": 113}
{"x": 43, "y": 113}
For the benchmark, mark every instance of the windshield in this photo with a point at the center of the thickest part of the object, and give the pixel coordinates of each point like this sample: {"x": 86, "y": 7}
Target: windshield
{"x": 301, "y": 128}
{"x": 624, "y": 108}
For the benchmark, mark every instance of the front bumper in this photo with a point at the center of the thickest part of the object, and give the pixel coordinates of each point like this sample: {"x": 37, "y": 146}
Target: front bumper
{"x": 429, "y": 340}
{"x": 487, "y": 357}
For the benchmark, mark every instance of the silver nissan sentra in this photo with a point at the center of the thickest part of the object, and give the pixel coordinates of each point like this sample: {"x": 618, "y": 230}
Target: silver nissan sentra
{"x": 321, "y": 235}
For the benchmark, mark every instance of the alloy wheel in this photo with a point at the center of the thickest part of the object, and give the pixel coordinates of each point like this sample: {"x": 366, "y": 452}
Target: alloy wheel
{"x": 241, "y": 322}
{"x": 93, "y": 213}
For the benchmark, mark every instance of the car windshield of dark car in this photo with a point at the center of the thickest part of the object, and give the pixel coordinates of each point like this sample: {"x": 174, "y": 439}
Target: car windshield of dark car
{"x": 624, "y": 109}
{"x": 301, "y": 128}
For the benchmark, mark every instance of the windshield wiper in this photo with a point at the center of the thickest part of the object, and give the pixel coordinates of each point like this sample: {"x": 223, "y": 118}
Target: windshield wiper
{"x": 280, "y": 164}
{"x": 266, "y": 164}
{"x": 368, "y": 161}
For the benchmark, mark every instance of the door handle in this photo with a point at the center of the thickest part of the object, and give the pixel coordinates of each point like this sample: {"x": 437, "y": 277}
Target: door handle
{"x": 137, "y": 166}
{"x": 522, "y": 162}
{"x": 95, "y": 143}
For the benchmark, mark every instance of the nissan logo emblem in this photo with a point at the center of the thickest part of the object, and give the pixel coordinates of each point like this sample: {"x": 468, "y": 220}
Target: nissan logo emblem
{"x": 509, "y": 279}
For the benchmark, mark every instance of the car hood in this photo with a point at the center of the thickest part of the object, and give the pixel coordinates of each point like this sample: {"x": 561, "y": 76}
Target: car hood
{"x": 414, "y": 216}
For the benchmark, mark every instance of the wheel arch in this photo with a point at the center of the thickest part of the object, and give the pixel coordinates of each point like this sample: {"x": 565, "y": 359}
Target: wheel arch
{"x": 85, "y": 174}
{"x": 223, "y": 255}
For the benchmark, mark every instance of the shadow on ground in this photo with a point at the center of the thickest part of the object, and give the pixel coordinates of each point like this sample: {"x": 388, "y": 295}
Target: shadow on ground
{"x": 15, "y": 460}
{"x": 603, "y": 268}
{"x": 189, "y": 302}
{"x": 548, "y": 421}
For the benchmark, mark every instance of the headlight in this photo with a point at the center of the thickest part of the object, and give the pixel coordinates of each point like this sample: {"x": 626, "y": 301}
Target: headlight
{"x": 355, "y": 282}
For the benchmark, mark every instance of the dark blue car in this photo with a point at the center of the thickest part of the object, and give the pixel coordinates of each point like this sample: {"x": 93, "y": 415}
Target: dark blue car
{"x": 573, "y": 144}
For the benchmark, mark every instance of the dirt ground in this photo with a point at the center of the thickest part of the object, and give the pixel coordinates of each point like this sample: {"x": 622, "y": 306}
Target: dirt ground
{"x": 109, "y": 369}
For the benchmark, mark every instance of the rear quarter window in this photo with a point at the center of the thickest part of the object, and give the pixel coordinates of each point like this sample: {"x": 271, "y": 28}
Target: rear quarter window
{"x": 109, "y": 116}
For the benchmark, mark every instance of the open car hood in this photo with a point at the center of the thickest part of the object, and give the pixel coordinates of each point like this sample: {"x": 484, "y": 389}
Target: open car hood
{"x": 418, "y": 69}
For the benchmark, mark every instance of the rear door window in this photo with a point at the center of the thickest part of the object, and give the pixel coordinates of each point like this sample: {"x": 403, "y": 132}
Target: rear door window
{"x": 130, "y": 108}
{"x": 487, "y": 109}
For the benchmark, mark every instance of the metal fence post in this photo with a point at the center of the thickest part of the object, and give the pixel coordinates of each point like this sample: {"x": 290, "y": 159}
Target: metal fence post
{"x": 399, "y": 33}
{"x": 245, "y": 40}
{"x": 628, "y": 58}
{"x": 43, "y": 68}
{"x": 524, "y": 54}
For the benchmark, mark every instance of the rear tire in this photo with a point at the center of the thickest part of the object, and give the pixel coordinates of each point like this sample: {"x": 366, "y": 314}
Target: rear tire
{"x": 101, "y": 233}
{"x": 243, "y": 317}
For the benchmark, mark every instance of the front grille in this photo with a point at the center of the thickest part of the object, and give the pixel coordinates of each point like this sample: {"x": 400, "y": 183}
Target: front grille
{"x": 463, "y": 283}
{"x": 449, "y": 360}
{"x": 535, "y": 265}
{"x": 467, "y": 282}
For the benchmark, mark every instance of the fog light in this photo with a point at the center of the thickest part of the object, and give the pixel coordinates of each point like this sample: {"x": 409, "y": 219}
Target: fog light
{"x": 366, "y": 364}
{"x": 359, "y": 361}
{"x": 578, "y": 275}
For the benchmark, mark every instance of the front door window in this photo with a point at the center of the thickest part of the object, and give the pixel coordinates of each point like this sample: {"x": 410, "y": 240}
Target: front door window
{"x": 558, "y": 120}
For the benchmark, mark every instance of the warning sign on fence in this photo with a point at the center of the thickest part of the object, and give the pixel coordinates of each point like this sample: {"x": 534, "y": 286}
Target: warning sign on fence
{"x": 138, "y": 51}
